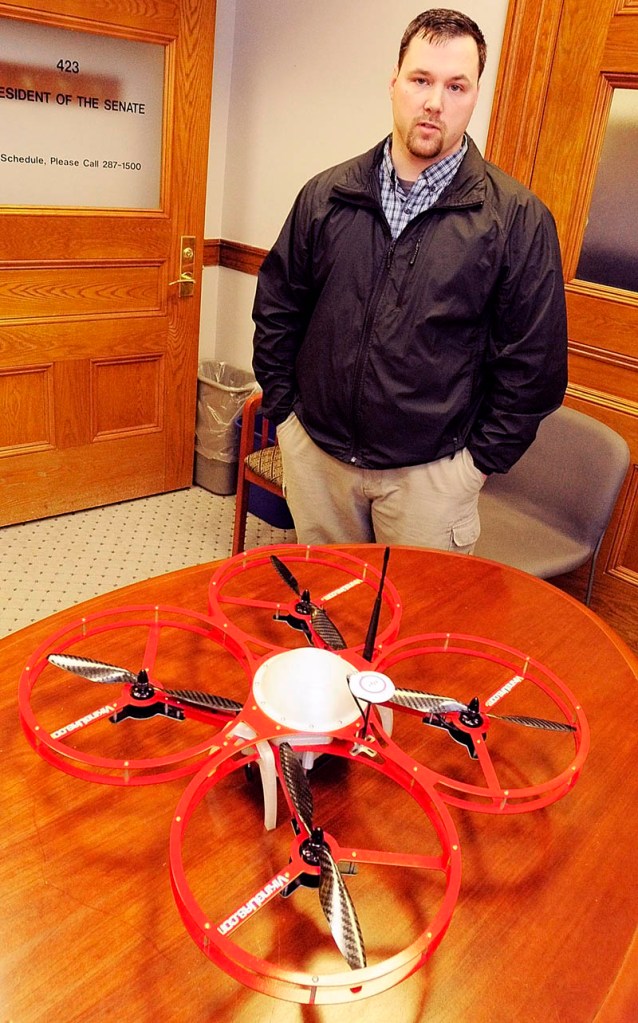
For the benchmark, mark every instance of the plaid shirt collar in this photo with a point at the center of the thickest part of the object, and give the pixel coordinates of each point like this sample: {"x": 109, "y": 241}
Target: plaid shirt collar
{"x": 399, "y": 206}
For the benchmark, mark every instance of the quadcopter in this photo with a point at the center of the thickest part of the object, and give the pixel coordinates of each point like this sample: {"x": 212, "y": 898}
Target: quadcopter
{"x": 306, "y": 693}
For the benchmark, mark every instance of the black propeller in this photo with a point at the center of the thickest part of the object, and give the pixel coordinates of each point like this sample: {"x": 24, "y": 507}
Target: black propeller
{"x": 334, "y": 897}
{"x": 97, "y": 671}
{"x": 319, "y": 618}
{"x": 528, "y": 722}
{"x": 430, "y": 703}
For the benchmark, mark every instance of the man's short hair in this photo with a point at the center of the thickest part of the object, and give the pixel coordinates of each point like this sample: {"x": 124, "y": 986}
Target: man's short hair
{"x": 440, "y": 24}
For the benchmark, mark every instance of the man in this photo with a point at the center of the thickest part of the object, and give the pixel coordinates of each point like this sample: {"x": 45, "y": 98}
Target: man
{"x": 410, "y": 319}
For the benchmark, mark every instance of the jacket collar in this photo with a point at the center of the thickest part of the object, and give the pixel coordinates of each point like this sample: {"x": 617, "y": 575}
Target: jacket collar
{"x": 359, "y": 182}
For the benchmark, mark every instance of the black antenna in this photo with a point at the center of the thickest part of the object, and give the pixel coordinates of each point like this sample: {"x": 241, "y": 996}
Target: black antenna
{"x": 371, "y": 636}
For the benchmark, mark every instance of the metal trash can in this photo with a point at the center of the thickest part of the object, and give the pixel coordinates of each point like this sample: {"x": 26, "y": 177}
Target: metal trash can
{"x": 222, "y": 391}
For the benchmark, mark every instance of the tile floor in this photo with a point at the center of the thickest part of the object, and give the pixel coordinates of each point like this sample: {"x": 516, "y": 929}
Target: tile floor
{"x": 52, "y": 564}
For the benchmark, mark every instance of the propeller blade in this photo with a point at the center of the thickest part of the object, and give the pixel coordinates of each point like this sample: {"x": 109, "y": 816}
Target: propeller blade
{"x": 321, "y": 621}
{"x": 548, "y": 726}
{"x": 207, "y": 700}
{"x": 285, "y": 573}
{"x": 429, "y": 703}
{"x": 334, "y": 897}
{"x": 94, "y": 671}
{"x": 339, "y": 911}
{"x": 97, "y": 671}
{"x": 297, "y": 785}
{"x": 326, "y": 629}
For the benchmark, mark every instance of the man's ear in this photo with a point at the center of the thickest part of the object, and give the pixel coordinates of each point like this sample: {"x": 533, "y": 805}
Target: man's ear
{"x": 392, "y": 82}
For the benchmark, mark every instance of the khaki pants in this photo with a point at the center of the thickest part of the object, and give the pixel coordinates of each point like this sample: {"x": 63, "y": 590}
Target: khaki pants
{"x": 432, "y": 505}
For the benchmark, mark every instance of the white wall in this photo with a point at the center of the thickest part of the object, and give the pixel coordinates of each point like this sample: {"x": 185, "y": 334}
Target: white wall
{"x": 298, "y": 87}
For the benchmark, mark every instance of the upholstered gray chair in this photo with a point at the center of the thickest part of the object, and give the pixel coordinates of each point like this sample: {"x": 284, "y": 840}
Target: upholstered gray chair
{"x": 549, "y": 513}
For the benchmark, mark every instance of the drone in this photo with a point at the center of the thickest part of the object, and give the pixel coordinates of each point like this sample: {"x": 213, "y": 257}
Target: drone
{"x": 302, "y": 693}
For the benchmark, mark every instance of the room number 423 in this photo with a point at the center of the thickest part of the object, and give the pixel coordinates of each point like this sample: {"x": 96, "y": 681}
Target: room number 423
{"x": 71, "y": 66}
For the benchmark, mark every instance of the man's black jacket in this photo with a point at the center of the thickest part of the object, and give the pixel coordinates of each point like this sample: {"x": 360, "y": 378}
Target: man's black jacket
{"x": 395, "y": 353}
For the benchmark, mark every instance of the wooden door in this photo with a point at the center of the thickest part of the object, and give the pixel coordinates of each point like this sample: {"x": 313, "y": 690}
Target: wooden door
{"x": 98, "y": 349}
{"x": 562, "y": 66}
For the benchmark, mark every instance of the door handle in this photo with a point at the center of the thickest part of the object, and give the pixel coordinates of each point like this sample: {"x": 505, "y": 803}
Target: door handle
{"x": 186, "y": 279}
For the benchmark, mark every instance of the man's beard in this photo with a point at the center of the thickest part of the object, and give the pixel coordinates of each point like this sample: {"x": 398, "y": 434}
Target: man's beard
{"x": 420, "y": 147}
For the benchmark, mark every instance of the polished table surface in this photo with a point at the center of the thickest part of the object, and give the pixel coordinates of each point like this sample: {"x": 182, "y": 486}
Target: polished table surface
{"x": 544, "y": 928}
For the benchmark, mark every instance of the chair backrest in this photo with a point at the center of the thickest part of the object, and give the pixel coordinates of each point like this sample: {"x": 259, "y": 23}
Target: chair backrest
{"x": 571, "y": 475}
{"x": 256, "y": 430}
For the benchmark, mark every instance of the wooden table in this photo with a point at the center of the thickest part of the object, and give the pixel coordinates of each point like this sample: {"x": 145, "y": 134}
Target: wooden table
{"x": 544, "y": 926}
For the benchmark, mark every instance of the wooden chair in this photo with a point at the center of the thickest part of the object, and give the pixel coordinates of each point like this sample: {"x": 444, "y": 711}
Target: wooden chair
{"x": 259, "y": 464}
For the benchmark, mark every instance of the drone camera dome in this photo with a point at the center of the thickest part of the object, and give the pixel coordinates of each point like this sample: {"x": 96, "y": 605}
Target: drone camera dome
{"x": 306, "y": 689}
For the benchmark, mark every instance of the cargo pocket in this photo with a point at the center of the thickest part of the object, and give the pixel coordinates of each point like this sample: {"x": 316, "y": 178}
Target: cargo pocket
{"x": 465, "y": 533}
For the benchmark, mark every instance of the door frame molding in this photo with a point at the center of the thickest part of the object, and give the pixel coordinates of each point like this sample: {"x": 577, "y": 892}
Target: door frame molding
{"x": 527, "y": 54}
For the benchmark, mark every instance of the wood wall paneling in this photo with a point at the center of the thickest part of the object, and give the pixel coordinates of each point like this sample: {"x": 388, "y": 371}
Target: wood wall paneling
{"x": 527, "y": 53}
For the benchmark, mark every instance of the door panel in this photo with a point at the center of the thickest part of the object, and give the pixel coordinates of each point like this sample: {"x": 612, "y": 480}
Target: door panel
{"x": 569, "y": 71}
{"x": 98, "y": 348}
{"x": 95, "y": 291}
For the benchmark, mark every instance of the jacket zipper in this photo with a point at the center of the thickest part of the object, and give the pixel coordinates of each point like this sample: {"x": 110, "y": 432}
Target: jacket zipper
{"x": 371, "y": 313}
{"x": 411, "y": 262}
{"x": 363, "y": 344}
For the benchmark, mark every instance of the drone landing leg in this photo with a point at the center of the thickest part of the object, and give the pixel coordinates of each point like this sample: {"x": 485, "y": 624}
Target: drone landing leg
{"x": 266, "y": 765}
